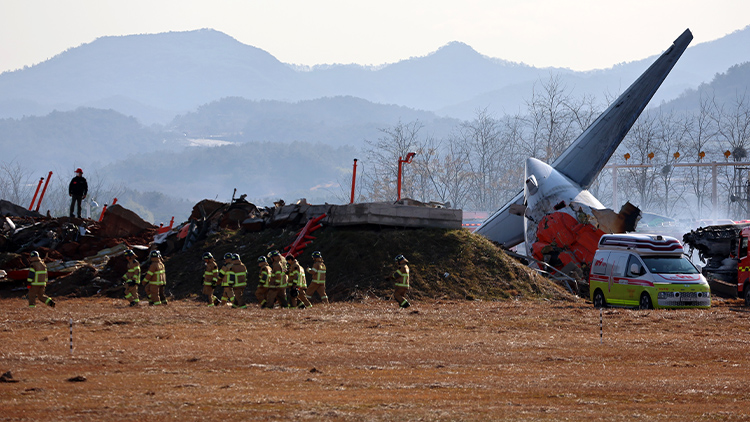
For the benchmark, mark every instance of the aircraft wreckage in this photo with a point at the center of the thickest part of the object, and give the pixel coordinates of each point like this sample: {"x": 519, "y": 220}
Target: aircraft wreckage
{"x": 559, "y": 220}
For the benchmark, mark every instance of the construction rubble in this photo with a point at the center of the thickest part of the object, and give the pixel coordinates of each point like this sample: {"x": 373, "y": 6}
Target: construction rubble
{"x": 85, "y": 257}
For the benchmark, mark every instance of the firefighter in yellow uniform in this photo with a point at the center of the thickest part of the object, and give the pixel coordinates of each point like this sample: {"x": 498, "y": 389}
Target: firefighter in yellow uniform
{"x": 132, "y": 278}
{"x": 402, "y": 281}
{"x": 318, "y": 282}
{"x": 264, "y": 277}
{"x": 37, "y": 280}
{"x": 278, "y": 280}
{"x": 226, "y": 275}
{"x": 297, "y": 284}
{"x": 156, "y": 278}
{"x": 210, "y": 276}
{"x": 240, "y": 282}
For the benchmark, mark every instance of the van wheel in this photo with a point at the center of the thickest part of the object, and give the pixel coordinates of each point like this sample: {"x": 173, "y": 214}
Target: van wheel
{"x": 747, "y": 294}
{"x": 599, "y": 300}
{"x": 645, "y": 302}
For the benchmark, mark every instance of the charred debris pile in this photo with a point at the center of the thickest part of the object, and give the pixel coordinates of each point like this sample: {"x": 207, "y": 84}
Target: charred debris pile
{"x": 85, "y": 257}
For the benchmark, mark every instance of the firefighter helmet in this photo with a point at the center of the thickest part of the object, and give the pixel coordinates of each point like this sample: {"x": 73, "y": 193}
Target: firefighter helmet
{"x": 155, "y": 254}
{"x": 129, "y": 252}
{"x": 400, "y": 258}
{"x": 207, "y": 255}
{"x": 262, "y": 259}
{"x": 228, "y": 255}
{"x": 317, "y": 254}
{"x": 236, "y": 256}
{"x": 34, "y": 254}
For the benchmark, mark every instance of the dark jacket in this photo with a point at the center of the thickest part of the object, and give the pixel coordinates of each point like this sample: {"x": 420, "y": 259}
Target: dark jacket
{"x": 78, "y": 186}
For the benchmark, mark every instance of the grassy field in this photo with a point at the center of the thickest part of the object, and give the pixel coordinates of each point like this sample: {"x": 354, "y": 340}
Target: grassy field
{"x": 370, "y": 361}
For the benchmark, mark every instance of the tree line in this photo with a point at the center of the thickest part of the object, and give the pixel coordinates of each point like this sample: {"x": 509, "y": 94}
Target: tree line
{"x": 480, "y": 166}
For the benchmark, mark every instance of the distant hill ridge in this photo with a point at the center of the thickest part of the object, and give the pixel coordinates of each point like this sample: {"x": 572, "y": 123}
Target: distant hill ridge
{"x": 157, "y": 76}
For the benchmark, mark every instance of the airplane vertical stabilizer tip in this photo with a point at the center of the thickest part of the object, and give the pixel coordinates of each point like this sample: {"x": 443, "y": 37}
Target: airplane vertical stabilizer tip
{"x": 584, "y": 159}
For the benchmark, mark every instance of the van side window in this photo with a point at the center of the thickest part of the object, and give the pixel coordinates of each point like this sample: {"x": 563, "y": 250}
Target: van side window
{"x": 634, "y": 260}
{"x": 743, "y": 248}
{"x": 618, "y": 259}
{"x": 600, "y": 263}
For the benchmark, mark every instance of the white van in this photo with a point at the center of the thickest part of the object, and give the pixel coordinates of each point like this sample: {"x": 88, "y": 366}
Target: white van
{"x": 645, "y": 271}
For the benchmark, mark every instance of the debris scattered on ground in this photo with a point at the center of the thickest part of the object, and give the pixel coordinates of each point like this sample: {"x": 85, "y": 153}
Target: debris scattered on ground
{"x": 7, "y": 377}
{"x": 85, "y": 257}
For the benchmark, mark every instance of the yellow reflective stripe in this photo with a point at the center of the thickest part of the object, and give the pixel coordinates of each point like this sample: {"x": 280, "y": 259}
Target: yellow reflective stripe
{"x": 35, "y": 280}
{"x": 404, "y": 278}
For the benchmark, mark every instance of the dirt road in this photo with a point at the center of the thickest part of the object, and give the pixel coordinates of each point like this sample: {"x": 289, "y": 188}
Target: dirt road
{"x": 511, "y": 360}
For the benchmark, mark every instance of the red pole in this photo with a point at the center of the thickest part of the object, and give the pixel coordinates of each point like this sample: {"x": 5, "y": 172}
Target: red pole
{"x": 49, "y": 176}
{"x": 354, "y": 179}
{"x": 101, "y": 217}
{"x": 399, "y": 178}
{"x": 35, "y": 193}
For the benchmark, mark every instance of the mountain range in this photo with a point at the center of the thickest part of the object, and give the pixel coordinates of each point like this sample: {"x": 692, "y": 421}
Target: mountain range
{"x": 156, "y": 77}
{"x": 131, "y": 107}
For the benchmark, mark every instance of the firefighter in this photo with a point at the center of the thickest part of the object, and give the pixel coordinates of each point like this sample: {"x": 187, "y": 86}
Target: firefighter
{"x": 132, "y": 278}
{"x": 226, "y": 275}
{"x": 240, "y": 282}
{"x": 297, "y": 284}
{"x": 264, "y": 278}
{"x": 276, "y": 291}
{"x": 156, "y": 278}
{"x": 401, "y": 276}
{"x": 318, "y": 282}
{"x": 37, "y": 280}
{"x": 210, "y": 276}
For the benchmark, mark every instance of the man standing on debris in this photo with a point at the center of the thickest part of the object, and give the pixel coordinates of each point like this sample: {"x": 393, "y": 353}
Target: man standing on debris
{"x": 318, "y": 283}
{"x": 402, "y": 281}
{"x": 210, "y": 276}
{"x": 227, "y": 279}
{"x": 37, "y": 280}
{"x": 240, "y": 282}
{"x": 78, "y": 189}
{"x": 297, "y": 283}
{"x": 264, "y": 278}
{"x": 132, "y": 278}
{"x": 156, "y": 278}
{"x": 278, "y": 280}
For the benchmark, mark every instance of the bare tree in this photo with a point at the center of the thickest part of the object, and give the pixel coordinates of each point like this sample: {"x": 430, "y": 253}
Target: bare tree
{"x": 553, "y": 118}
{"x": 16, "y": 184}
{"x": 383, "y": 156}
{"x": 480, "y": 142}
{"x": 670, "y": 141}
{"x": 641, "y": 140}
{"x": 700, "y": 133}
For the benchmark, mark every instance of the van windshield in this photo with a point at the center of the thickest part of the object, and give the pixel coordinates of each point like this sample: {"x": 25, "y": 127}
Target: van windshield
{"x": 669, "y": 265}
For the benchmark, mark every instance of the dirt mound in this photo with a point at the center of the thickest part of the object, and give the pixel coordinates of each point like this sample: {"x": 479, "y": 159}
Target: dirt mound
{"x": 452, "y": 264}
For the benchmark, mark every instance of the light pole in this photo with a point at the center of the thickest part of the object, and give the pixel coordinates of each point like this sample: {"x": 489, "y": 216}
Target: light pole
{"x": 408, "y": 159}
{"x": 354, "y": 179}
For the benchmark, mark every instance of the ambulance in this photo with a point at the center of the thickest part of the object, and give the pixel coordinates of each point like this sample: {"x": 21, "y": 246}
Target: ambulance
{"x": 645, "y": 271}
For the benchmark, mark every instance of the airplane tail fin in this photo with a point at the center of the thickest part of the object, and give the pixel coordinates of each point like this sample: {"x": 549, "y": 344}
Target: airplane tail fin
{"x": 589, "y": 153}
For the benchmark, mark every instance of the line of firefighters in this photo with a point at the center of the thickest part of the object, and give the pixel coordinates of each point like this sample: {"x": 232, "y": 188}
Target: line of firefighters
{"x": 280, "y": 280}
{"x": 277, "y": 276}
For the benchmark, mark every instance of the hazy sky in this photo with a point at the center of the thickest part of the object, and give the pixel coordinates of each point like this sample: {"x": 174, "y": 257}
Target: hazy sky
{"x": 579, "y": 34}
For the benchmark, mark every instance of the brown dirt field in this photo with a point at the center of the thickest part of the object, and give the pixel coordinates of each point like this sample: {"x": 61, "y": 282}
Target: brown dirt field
{"x": 438, "y": 360}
